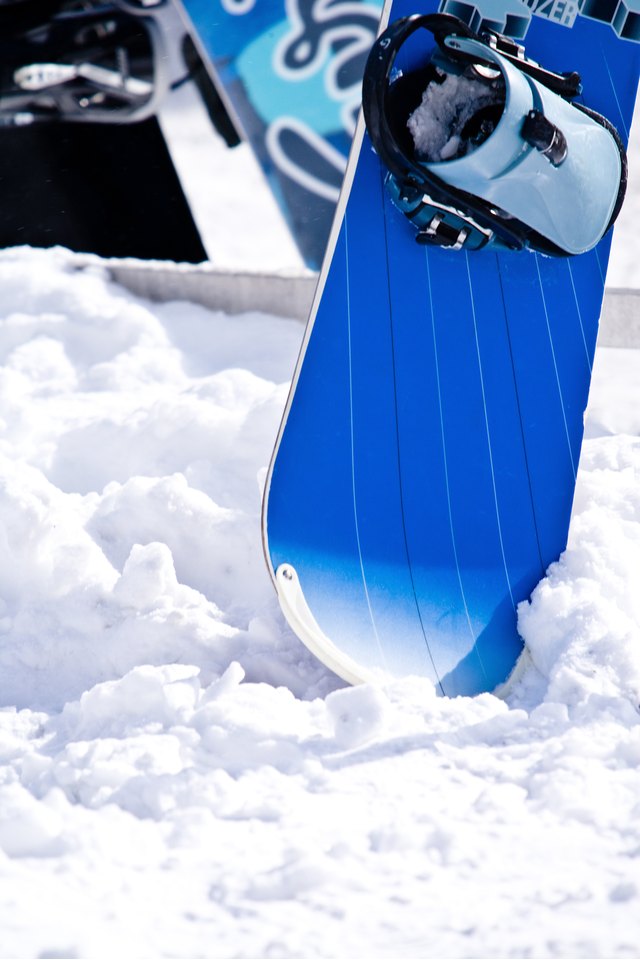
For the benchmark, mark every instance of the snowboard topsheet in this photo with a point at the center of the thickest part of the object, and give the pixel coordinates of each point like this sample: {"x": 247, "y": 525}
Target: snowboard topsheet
{"x": 424, "y": 473}
{"x": 290, "y": 72}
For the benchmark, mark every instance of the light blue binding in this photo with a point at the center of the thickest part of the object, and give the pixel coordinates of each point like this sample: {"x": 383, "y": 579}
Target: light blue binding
{"x": 550, "y": 176}
{"x": 570, "y": 204}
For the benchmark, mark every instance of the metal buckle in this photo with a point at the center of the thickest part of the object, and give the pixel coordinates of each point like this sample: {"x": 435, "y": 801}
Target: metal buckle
{"x": 443, "y": 234}
{"x": 502, "y": 44}
{"x": 451, "y": 236}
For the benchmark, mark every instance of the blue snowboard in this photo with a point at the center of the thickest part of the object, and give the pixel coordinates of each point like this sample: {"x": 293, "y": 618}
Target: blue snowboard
{"x": 424, "y": 473}
{"x": 290, "y": 73}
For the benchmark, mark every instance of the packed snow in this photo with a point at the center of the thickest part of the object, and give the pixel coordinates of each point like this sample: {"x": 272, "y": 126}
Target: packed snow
{"x": 179, "y": 777}
{"x": 456, "y": 114}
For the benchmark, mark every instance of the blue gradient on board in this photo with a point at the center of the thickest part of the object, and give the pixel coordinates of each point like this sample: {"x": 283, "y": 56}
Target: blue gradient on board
{"x": 425, "y": 476}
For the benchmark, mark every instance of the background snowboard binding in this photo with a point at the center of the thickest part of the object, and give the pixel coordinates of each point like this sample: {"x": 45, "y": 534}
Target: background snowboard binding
{"x": 79, "y": 61}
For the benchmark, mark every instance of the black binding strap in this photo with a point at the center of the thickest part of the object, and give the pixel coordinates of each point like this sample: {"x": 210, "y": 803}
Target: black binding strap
{"x": 413, "y": 177}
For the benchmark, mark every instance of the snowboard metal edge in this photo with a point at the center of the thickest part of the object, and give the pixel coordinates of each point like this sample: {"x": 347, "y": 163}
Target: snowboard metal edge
{"x": 317, "y": 298}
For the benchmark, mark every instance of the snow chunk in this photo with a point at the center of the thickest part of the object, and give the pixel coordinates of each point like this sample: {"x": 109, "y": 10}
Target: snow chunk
{"x": 357, "y": 713}
{"x": 160, "y": 696}
{"x": 29, "y": 828}
{"x": 582, "y": 623}
{"x": 439, "y": 125}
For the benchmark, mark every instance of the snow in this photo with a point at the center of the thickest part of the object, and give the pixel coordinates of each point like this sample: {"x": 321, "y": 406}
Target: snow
{"x": 178, "y": 776}
{"x": 437, "y": 125}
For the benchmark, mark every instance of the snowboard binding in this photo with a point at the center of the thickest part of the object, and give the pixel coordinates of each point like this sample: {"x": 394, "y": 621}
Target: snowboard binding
{"x": 80, "y": 61}
{"x": 485, "y": 147}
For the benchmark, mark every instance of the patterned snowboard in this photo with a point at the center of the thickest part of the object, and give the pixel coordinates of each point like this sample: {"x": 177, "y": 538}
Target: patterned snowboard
{"x": 290, "y": 74}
